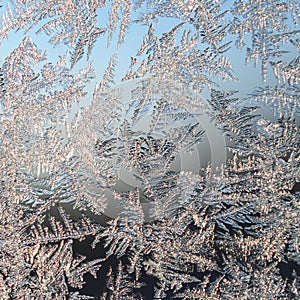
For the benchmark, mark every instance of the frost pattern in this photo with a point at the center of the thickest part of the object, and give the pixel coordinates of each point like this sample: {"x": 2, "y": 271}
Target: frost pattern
{"x": 215, "y": 234}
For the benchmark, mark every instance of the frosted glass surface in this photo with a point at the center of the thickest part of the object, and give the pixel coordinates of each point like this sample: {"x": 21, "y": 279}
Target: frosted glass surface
{"x": 149, "y": 149}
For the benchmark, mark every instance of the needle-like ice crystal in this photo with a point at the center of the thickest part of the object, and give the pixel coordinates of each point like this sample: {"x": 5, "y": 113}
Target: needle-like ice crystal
{"x": 169, "y": 186}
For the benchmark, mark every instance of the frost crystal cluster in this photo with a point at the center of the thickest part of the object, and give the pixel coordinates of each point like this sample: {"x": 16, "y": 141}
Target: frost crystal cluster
{"x": 96, "y": 201}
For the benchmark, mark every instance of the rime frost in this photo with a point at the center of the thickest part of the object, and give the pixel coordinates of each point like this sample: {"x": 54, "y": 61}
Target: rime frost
{"x": 230, "y": 232}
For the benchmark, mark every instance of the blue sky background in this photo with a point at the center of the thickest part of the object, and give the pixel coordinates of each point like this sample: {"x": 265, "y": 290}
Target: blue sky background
{"x": 249, "y": 77}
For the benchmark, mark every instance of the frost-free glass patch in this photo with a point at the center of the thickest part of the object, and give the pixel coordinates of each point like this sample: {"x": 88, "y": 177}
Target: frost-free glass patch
{"x": 149, "y": 149}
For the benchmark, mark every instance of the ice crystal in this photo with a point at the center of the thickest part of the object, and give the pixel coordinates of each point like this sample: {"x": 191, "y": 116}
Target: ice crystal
{"x": 98, "y": 200}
